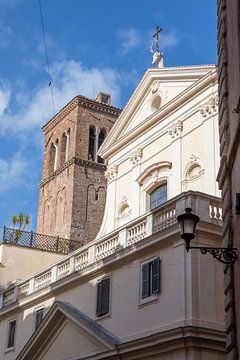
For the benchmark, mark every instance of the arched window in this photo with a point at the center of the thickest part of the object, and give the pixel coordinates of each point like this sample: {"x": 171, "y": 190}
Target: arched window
{"x": 91, "y": 143}
{"x": 101, "y": 138}
{"x": 53, "y": 157}
{"x": 65, "y": 147}
{"x": 158, "y": 196}
{"x": 56, "y": 155}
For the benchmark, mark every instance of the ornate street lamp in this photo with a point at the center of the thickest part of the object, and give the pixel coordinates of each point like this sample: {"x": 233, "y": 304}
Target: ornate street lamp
{"x": 187, "y": 225}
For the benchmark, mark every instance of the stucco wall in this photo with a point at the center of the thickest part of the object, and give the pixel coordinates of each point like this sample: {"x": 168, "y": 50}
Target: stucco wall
{"x": 18, "y": 262}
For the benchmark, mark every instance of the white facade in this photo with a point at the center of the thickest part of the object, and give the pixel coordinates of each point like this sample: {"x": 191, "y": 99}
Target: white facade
{"x": 167, "y": 134}
{"x": 176, "y": 143}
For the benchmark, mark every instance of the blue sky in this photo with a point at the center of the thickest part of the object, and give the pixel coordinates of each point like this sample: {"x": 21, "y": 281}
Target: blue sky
{"x": 93, "y": 46}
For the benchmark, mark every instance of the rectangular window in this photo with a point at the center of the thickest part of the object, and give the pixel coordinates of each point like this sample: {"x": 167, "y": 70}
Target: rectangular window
{"x": 150, "y": 278}
{"x": 103, "y": 297}
{"x": 11, "y": 330}
{"x": 38, "y": 318}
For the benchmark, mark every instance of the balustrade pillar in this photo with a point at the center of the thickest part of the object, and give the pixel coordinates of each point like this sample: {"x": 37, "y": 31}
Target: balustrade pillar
{"x": 149, "y": 225}
{"x": 31, "y": 285}
{"x": 122, "y": 237}
{"x": 72, "y": 265}
{"x": 91, "y": 254}
{"x": 54, "y": 274}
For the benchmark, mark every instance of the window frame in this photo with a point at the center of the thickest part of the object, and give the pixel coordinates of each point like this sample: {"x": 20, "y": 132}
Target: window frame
{"x": 92, "y": 143}
{"x": 158, "y": 186}
{"x": 101, "y": 316}
{"x": 11, "y": 348}
{"x": 153, "y": 297}
{"x": 35, "y": 317}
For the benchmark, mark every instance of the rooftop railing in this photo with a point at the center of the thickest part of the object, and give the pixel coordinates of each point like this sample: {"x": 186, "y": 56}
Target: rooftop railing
{"x": 39, "y": 241}
{"x": 164, "y": 217}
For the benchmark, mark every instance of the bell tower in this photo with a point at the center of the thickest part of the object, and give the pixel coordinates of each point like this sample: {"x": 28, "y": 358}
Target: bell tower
{"x": 73, "y": 186}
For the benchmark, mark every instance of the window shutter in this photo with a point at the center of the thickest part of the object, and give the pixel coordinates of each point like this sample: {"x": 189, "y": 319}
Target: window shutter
{"x": 156, "y": 276}
{"x": 145, "y": 280}
{"x": 103, "y": 292}
{"x": 38, "y": 318}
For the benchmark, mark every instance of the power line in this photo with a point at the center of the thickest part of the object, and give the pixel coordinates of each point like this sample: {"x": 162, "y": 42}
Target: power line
{"x": 47, "y": 58}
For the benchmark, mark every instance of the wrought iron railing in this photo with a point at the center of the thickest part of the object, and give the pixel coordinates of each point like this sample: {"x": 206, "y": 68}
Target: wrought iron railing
{"x": 39, "y": 241}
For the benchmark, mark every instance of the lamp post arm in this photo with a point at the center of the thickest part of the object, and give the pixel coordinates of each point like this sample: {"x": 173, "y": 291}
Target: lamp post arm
{"x": 226, "y": 256}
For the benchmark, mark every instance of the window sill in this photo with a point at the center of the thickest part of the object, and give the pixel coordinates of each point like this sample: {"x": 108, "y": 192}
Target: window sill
{"x": 103, "y": 317}
{"x": 148, "y": 301}
{"x": 10, "y": 349}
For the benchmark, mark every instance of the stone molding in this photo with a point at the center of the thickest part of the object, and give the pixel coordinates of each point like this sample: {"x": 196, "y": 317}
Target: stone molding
{"x": 77, "y": 101}
{"x": 175, "y": 130}
{"x": 115, "y": 141}
{"x": 135, "y": 158}
{"x": 111, "y": 173}
{"x": 76, "y": 161}
{"x": 193, "y": 163}
{"x": 210, "y": 108}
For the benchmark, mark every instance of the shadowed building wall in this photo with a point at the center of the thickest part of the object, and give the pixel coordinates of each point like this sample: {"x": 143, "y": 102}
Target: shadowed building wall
{"x": 229, "y": 173}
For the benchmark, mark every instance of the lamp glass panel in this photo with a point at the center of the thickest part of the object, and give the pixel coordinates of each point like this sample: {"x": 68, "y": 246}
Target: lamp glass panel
{"x": 189, "y": 226}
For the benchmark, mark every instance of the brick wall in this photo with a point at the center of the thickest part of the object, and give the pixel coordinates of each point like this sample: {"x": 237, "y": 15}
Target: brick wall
{"x": 72, "y": 197}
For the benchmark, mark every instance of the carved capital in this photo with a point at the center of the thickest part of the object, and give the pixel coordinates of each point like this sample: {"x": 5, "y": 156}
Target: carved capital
{"x": 136, "y": 156}
{"x": 175, "y": 130}
{"x": 111, "y": 173}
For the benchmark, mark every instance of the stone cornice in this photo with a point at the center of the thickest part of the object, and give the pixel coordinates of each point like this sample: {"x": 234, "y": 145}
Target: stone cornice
{"x": 79, "y": 101}
{"x": 115, "y": 142}
{"x": 74, "y": 160}
{"x": 192, "y": 73}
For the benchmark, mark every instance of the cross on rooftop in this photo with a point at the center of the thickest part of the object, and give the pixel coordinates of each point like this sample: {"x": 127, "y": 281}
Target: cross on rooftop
{"x": 156, "y": 35}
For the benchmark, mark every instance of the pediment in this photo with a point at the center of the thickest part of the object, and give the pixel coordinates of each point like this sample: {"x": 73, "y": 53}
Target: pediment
{"x": 157, "y": 89}
{"x": 67, "y": 333}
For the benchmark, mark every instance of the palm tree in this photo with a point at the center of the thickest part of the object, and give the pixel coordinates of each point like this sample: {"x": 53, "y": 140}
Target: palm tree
{"x": 14, "y": 221}
{"x": 22, "y": 221}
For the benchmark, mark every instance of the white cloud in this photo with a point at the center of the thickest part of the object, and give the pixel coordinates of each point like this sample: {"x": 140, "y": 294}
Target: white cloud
{"x": 11, "y": 172}
{"x": 130, "y": 39}
{"x": 69, "y": 79}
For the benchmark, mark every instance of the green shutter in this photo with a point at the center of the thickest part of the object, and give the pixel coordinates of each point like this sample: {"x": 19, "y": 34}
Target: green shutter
{"x": 156, "y": 276}
{"x": 145, "y": 280}
{"x": 103, "y": 292}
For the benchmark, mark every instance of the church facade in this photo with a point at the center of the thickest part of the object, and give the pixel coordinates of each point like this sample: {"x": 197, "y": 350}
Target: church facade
{"x": 133, "y": 292}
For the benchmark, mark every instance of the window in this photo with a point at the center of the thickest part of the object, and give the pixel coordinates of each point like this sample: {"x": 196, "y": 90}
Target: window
{"x": 91, "y": 144}
{"x": 101, "y": 137}
{"x": 11, "y": 330}
{"x": 158, "y": 196}
{"x": 103, "y": 292}
{"x": 38, "y": 318}
{"x": 150, "y": 278}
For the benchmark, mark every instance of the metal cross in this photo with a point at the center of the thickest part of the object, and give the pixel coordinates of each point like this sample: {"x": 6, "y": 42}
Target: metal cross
{"x": 156, "y": 35}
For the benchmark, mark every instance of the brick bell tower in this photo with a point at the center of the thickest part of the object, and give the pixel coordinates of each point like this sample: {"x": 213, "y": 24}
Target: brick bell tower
{"x": 73, "y": 186}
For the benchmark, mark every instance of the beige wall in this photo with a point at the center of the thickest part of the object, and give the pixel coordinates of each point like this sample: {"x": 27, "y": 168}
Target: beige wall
{"x": 19, "y": 262}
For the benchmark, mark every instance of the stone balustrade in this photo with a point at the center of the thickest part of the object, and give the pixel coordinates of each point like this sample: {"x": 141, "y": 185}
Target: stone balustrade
{"x": 207, "y": 207}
